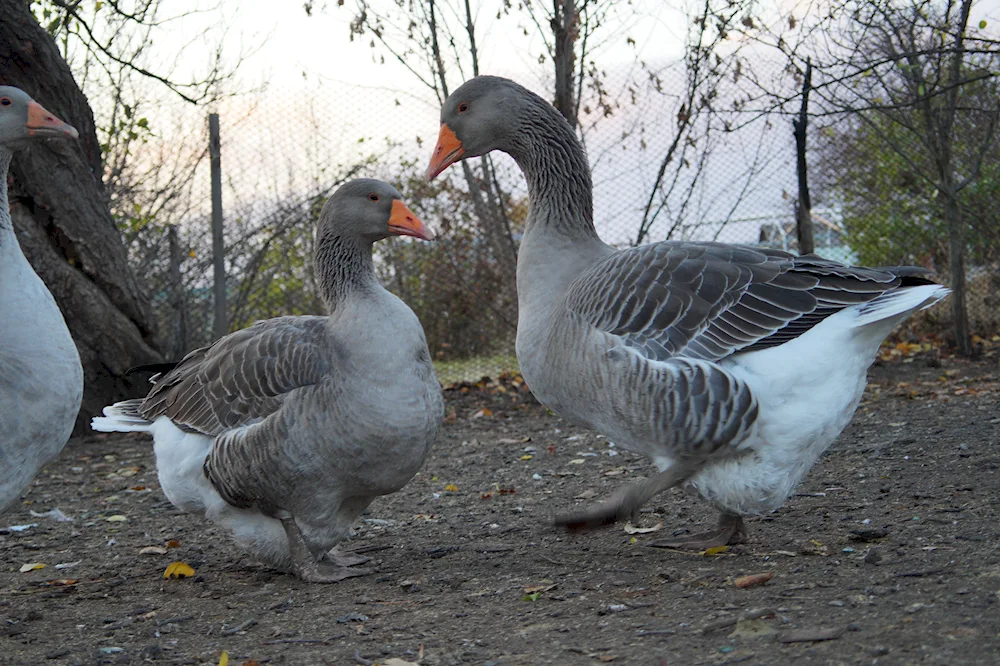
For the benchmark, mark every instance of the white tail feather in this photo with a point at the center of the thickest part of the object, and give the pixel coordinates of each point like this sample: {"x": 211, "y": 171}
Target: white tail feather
{"x": 121, "y": 417}
{"x": 900, "y": 303}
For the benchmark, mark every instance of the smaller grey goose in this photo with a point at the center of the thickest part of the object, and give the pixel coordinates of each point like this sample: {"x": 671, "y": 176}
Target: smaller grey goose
{"x": 731, "y": 367}
{"x": 41, "y": 380}
{"x": 284, "y": 432}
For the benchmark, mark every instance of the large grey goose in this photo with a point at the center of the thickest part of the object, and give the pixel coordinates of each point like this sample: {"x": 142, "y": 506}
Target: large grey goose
{"x": 41, "y": 380}
{"x": 284, "y": 432}
{"x": 731, "y": 367}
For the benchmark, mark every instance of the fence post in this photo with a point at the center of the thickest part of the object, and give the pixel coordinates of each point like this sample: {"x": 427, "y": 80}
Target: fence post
{"x": 218, "y": 242}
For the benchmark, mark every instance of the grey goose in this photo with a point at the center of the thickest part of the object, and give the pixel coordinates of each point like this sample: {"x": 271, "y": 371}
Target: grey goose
{"x": 284, "y": 432}
{"x": 41, "y": 380}
{"x": 731, "y": 367}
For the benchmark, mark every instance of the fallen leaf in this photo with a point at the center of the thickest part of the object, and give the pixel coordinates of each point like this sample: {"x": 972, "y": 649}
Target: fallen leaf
{"x": 527, "y": 456}
{"x": 577, "y": 461}
{"x": 632, "y": 529}
{"x": 451, "y": 488}
{"x": 60, "y": 582}
{"x": 250, "y": 662}
{"x": 590, "y": 493}
{"x": 485, "y": 411}
{"x": 607, "y": 657}
{"x": 153, "y": 550}
{"x": 224, "y": 658}
{"x": 715, "y": 550}
{"x": 173, "y": 543}
{"x": 753, "y": 579}
{"x": 117, "y": 518}
{"x": 32, "y": 566}
{"x": 396, "y": 661}
{"x": 751, "y": 629}
{"x": 178, "y": 570}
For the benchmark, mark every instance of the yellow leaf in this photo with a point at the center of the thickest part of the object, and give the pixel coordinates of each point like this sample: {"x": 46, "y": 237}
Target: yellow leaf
{"x": 451, "y": 488}
{"x": 191, "y": 254}
{"x": 178, "y": 570}
{"x": 32, "y": 566}
{"x": 716, "y": 550}
{"x": 117, "y": 518}
{"x": 527, "y": 456}
{"x": 224, "y": 658}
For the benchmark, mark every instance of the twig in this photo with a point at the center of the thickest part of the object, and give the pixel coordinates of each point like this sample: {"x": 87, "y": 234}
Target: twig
{"x": 918, "y": 574}
{"x": 240, "y": 627}
{"x": 323, "y": 641}
{"x": 361, "y": 660}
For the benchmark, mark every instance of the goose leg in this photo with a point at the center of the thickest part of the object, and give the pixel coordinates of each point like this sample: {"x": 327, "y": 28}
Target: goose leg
{"x": 342, "y": 559}
{"x": 626, "y": 501}
{"x": 305, "y": 565}
{"x": 731, "y": 530}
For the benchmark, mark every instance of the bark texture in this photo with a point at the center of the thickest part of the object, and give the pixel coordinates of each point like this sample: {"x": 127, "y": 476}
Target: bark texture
{"x": 60, "y": 212}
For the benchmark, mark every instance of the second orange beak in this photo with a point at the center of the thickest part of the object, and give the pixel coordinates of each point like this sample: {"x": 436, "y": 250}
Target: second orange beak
{"x": 447, "y": 151}
{"x": 42, "y": 123}
{"x": 403, "y": 222}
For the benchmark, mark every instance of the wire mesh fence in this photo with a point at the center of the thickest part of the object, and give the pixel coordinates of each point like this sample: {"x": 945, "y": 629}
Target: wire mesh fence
{"x": 734, "y": 184}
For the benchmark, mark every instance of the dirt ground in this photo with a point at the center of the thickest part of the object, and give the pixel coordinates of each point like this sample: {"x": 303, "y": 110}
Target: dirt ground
{"x": 889, "y": 550}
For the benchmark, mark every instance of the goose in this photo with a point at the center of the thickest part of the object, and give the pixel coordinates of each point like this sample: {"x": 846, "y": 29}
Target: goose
{"x": 41, "y": 379}
{"x": 732, "y": 368}
{"x": 285, "y": 431}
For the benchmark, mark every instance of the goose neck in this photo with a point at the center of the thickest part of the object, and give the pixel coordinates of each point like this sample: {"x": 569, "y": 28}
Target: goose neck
{"x": 556, "y": 170}
{"x": 343, "y": 266}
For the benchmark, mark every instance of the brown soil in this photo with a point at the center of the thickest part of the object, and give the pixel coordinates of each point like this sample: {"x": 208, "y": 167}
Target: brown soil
{"x": 889, "y": 550}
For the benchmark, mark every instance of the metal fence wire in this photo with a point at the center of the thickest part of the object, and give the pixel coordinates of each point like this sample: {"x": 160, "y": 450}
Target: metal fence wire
{"x": 737, "y": 186}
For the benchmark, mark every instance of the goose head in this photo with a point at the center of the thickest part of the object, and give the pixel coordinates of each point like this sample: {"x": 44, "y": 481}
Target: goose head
{"x": 479, "y": 117}
{"x": 23, "y": 119}
{"x": 370, "y": 209}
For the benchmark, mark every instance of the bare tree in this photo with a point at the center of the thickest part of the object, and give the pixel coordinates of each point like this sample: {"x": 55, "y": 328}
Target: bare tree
{"x": 900, "y": 68}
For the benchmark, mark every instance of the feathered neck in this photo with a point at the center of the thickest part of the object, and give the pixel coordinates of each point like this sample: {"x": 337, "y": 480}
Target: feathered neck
{"x": 555, "y": 168}
{"x": 344, "y": 267}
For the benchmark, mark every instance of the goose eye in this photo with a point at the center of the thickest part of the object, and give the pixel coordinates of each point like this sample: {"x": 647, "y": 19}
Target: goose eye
{"x": 5, "y": 101}
{"x": 373, "y": 197}
{"x": 463, "y": 107}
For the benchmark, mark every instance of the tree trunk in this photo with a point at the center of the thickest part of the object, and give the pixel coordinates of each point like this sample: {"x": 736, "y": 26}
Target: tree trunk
{"x": 178, "y": 344}
{"x": 956, "y": 266}
{"x": 564, "y": 32}
{"x": 61, "y": 217}
{"x": 803, "y": 213}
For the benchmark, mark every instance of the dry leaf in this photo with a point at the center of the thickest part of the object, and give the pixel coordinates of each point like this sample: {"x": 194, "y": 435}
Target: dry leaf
{"x": 451, "y": 488}
{"x": 32, "y": 566}
{"x": 577, "y": 461}
{"x": 527, "y": 456}
{"x": 632, "y": 529}
{"x": 59, "y": 582}
{"x": 153, "y": 550}
{"x": 485, "y": 411}
{"x": 715, "y": 550}
{"x": 250, "y": 662}
{"x": 173, "y": 543}
{"x": 753, "y": 579}
{"x": 178, "y": 570}
{"x": 751, "y": 629}
{"x": 396, "y": 661}
{"x": 224, "y": 658}
{"x": 117, "y": 518}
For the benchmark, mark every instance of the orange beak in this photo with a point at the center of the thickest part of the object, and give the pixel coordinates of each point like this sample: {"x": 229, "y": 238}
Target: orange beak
{"x": 41, "y": 123}
{"x": 403, "y": 222}
{"x": 447, "y": 151}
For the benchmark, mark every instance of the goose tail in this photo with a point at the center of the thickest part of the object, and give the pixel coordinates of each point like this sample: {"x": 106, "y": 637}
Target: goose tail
{"x": 121, "y": 417}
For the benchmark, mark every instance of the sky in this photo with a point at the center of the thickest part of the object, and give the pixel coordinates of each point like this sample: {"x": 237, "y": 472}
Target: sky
{"x": 322, "y": 100}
